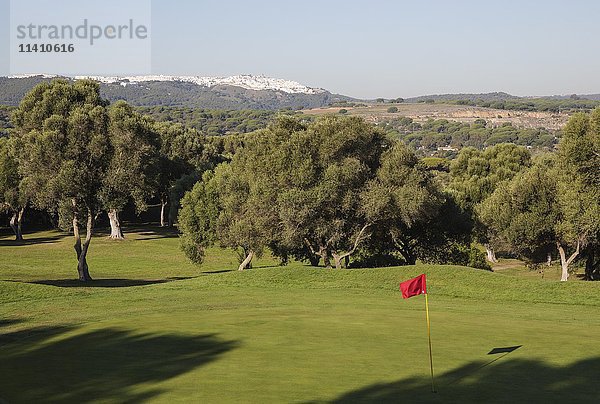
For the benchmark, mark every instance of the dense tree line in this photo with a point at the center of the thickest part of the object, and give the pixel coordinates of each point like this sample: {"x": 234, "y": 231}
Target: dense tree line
{"x": 500, "y": 100}
{"x": 335, "y": 191}
{"x": 433, "y": 134}
{"x": 555, "y": 105}
{"x": 213, "y": 122}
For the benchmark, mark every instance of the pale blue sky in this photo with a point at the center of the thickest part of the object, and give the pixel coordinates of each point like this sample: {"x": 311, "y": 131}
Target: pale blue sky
{"x": 380, "y": 48}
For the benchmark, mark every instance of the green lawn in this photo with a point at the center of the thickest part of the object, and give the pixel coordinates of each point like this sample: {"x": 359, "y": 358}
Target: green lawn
{"x": 153, "y": 327}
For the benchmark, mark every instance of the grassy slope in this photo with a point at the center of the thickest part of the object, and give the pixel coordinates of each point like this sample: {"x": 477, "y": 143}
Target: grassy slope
{"x": 160, "y": 329}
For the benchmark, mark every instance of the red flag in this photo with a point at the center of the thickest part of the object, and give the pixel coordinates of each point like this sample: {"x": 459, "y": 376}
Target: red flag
{"x": 413, "y": 287}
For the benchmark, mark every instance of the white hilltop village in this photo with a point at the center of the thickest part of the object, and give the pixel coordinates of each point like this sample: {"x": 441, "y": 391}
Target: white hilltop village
{"x": 247, "y": 81}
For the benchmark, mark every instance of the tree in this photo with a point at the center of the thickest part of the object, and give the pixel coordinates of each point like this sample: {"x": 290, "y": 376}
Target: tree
{"x": 579, "y": 156}
{"x": 183, "y": 153}
{"x": 403, "y": 201}
{"x": 324, "y": 169}
{"x": 542, "y": 209}
{"x": 296, "y": 188}
{"x": 65, "y": 154}
{"x": 476, "y": 174}
{"x": 198, "y": 218}
{"x": 523, "y": 213}
{"x": 134, "y": 160}
{"x": 12, "y": 195}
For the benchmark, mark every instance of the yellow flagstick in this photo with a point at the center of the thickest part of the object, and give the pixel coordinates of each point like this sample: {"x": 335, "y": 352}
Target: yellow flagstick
{"x": 429, "y": 337}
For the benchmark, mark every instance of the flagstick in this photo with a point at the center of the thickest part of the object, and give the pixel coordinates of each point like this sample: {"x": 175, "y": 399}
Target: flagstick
{"x": 429, "y": 337}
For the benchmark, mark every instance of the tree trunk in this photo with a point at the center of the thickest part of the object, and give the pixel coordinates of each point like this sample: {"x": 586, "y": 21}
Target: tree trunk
{"x": 549, "y": 259}
{"x": 115, "y": 225}
{"x": 20, "y": 224}
{"x": 246, "y": 262}
{"x": 490, "y": 254}
{"x": 81, "y": 250}
{"x": 163, "y": 205}
{"x": 313, "y": 257}
{"x": 15, "y": 224}
{"x": 564, "y": 262}
{"x": 341, "y": 261}
{"x": 337, "y": 260}
{"x": 337, "y": 257}
{"x": 314, "y": 260}
{"x": 324, "y": 253}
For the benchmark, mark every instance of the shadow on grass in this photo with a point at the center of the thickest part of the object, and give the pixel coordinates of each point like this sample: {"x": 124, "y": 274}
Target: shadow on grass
{"x": 151, "y": 232}
{"x": 517, "y": 380}
{"x": 9, "y": 321}
{"x": 218, "y": 271}
{"x": 105, "y": 283}
{"x": 102, "y": 365}
{"x": 31, "y": 240}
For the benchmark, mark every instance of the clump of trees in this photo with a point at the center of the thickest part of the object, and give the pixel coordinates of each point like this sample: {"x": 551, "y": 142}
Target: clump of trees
{"x": 324, "y": 192}
{"x": 72, "y": 154}
{"x": 554, "y": 206}
{"x": 475, "y": 174}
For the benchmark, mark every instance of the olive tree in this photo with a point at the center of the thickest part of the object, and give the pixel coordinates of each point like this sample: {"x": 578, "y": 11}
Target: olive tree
{"x": 475, "y": 175}
{"x": 579, "y": 164}
{"x": 12, "y": 196}
{"x": 133, "y": 164}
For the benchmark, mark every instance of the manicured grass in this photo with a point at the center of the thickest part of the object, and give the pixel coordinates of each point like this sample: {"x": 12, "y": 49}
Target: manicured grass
{"x": 153, "y": 327}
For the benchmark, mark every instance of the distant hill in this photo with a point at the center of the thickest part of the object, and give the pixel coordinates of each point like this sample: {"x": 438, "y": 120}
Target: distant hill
{"x": 244, "y": 92}
{"x": 236, "y": 92}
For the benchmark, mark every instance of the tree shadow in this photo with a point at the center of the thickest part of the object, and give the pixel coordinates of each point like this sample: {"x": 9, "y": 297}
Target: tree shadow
{"x": 10, "y": 241}
{"x": 151, "y": 232}
{"x": 105, "y": 283}
{"x": 217, "y": 271}
{"x": 9, "y": 321}
{"x": 109, "y": 364}
{"x": 517, "y": 380}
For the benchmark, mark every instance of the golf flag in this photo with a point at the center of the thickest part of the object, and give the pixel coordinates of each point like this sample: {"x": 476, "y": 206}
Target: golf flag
{"x": 413, "y": 287}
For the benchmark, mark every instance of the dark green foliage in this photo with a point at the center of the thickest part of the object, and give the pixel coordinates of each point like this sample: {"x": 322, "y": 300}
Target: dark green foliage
{"x": 5, "y": 112}
{"x": 198, "y": 218}
{"x": 580, "y": 157}
{"x": 328, "y": 190}
{"x": 212, "y": 122}
{"x": 433, "y": 135}
{"x": 524, "y": 213}
{"x": 476, "y": 174}
{"x": 132, "y": 172}
{"x": 392, "y": 110}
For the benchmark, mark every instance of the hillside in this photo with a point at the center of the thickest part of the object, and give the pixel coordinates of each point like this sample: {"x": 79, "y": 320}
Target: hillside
{"x": 236, "y": 92}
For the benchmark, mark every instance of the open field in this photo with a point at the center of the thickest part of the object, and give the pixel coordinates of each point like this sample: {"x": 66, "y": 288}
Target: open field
{"x": 420, "y": 112}
{"x": 153, "y": 327}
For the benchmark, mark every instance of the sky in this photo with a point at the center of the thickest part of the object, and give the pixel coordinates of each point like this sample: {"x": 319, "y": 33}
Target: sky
{"x": 377, "y": 48}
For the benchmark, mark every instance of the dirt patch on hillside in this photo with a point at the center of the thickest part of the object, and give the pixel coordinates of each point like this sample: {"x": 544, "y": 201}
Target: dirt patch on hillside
{"x": 421, "y": 112}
